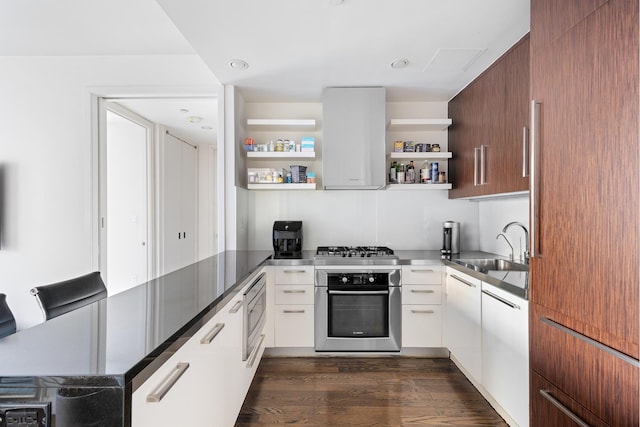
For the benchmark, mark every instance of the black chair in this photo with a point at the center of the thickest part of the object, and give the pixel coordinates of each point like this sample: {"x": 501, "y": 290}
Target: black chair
{"x": 63, "y": 297}
{"x": 7, "y": 321}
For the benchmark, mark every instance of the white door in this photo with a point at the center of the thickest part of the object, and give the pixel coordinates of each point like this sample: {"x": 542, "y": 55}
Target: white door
{"x": 179, "y": 203}
{"x": 124, "y": 255}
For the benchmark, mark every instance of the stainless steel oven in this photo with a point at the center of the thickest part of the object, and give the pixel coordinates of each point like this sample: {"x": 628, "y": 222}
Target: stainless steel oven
{"x": 358, "y": 308}
{"x": 255, "y": 304}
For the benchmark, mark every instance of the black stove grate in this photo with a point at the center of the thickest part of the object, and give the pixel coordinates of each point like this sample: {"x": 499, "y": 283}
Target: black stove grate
{"x": 354, "y": 251}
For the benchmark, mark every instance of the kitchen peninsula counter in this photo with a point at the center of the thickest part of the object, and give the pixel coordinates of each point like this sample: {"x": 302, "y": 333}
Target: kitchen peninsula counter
{"x": 110, "y": 347}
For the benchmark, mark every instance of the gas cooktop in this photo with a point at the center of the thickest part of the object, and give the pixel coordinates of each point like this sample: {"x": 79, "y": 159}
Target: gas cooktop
{"x": 355, "y": 255}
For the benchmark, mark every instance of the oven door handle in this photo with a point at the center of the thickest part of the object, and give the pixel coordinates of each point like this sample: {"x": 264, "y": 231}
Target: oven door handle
{"x": 359, "y": 292}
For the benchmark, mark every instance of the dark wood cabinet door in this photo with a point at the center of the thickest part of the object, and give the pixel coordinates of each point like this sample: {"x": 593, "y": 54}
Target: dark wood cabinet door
{"x": 466, "y": 113}
{"x": 516, "y": 118}
{"x": 551, "y": 18}
{"x": 603, "y": 381}
{"x": 486, "y": 135}
{"x": 550, "y": 407}
{"x": 588, "y": 202}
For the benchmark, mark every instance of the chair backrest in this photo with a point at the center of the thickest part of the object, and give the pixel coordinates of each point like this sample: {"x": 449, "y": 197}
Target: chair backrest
{"x": 63, "y": 297}
{"x": 7, "y": 321}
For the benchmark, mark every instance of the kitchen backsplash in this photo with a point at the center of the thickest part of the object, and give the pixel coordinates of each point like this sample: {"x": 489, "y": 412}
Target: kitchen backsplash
{"x": 399, "y": 219}
{"x": 494, "y": 215}
{"x": 402, "y": 220}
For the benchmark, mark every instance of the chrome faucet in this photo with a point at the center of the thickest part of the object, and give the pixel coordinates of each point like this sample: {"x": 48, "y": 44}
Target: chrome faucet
{"x": 525, "y": 255}
{"x": 508, "y": 243}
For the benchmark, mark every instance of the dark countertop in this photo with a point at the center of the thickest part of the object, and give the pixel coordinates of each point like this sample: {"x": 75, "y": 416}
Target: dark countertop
{"x": 114, "y": 340}
{"x": 128, "y": 335}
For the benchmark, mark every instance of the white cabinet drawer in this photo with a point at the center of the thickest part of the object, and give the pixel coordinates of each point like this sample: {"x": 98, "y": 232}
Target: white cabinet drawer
{"x": 421, "y": 275}
{"x": 421, "y": 326}
{"x": 294, "y": 294}
{"x": 421, "y": 294}
{"x": 295, "y": 275}
{"x": 294, "y": 326}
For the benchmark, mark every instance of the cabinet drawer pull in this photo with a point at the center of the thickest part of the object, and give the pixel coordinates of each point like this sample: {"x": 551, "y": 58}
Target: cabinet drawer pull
{"x": 293, "y": 311}
{"x": 463, "y": 281}
{"x": 555, "y": 402}
{"x": 294, "y": 271}
{"x": 236, "y": 307}
{"x": 426, "y": 291}
{"x": 502, "y": 300}
{"x": 295, "y": 291}
{"x": 603, "y": 347}
{"x": 255, "y": 352}
{"x": 212, "y": 334}
{"x": 168, "y": 383}
{"x": 423, "y": 311}
{"x": 421, "y": 270}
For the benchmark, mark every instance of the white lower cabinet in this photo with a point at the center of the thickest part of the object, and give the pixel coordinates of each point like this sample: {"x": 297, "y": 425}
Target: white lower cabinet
{"x": 421, "y": 326}
{"x": 422, "y": 306}
{"x": 505, "y": 351}
{"x": 185, "y": 389}
{"x": 463, "y": 328}
{"x": 205, "y": 381}
{"x": 293, "y": 306}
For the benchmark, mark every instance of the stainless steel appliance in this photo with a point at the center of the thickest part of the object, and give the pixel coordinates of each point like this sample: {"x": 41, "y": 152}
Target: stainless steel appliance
{"x": 358, "y": 303}
{"x": 353, "y": 138}
{"x": 450, "y": 239}
{"x": 255, "y": 305}
{"x": 287, "y": 239}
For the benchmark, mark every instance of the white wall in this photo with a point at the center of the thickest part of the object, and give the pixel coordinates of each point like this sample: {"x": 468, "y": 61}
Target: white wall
{"x": 494, "y": 215}
{"x": 46, "y": 158}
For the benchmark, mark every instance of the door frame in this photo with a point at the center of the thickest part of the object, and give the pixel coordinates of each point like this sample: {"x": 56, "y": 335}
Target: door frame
{"x": 111, "y": 105}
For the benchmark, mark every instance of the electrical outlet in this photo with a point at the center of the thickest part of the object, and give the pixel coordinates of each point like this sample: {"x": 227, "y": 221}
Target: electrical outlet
{"x": 36, "y": 414}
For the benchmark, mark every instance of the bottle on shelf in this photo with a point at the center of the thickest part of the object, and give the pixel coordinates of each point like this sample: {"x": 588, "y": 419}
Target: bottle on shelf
{"x": 411, "y": 173}
{"x": 393, "y": 177}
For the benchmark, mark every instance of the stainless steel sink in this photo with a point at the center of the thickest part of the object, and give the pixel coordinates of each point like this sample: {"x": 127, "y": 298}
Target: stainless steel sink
{"x": 491, "y": 264}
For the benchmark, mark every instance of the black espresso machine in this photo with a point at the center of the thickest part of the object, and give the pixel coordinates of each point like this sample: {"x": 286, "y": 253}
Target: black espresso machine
{"x": 287, "y": 239}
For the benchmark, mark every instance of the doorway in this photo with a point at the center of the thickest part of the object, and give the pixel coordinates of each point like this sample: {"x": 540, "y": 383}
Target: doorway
{"x": 126, "y": 189}
{"x": 136, "y": 139}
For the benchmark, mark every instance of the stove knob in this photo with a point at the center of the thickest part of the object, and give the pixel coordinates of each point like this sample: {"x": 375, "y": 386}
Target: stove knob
{"x": 344, "y": 279}
{"x": 371, "y": 279}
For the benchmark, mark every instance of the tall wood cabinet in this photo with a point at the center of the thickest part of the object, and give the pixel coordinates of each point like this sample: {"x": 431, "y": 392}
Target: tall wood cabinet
{"x": 487, "y": 137}
{"x": 584, "y": 324}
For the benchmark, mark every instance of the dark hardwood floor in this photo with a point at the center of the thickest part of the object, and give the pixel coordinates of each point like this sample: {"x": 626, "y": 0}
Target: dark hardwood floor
{"x": 341, "y": 391}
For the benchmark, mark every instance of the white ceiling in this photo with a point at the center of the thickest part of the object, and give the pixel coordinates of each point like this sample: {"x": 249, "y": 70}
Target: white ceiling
{"x": 297, "y": 47}
{"x": 294, "y": 47}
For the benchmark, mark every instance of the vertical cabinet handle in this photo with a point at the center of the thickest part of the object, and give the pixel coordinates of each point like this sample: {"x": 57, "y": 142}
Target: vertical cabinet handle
{"x": 555, "y": 402}
{"x": 483, "y": 164}
{"x": 534, "y": 179}
{"x": 168, "y": 383}
{"x": 475, "y": 166}
{"x": 525, "y": 151}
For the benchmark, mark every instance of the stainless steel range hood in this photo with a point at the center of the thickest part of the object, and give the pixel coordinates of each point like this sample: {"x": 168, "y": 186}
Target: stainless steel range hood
{"x": 353, "y": 141}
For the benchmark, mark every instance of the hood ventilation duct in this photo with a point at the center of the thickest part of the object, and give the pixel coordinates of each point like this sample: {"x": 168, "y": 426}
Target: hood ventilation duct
{"x": 353, "y": 141}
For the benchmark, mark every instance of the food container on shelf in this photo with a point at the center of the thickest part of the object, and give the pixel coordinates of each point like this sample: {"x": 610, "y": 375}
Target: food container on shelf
{"x": 264, "y": 175}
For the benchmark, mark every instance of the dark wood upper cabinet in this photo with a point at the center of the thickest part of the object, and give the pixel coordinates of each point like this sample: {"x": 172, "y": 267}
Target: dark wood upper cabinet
{"x": 558, "y": 17}
{"x": 486, "y": 136}
{"x": 585, "y": 274}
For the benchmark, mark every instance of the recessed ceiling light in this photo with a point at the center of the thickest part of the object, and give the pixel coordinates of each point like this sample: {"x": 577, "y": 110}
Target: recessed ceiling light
{"x": 335, "y": 2}
{"x": 194, "y": 119}
{"x": 400, "y": 63}
{"x": 184, "y": 110}
{"x": 207, "y": 127}
{"x": 238, "y": 64}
